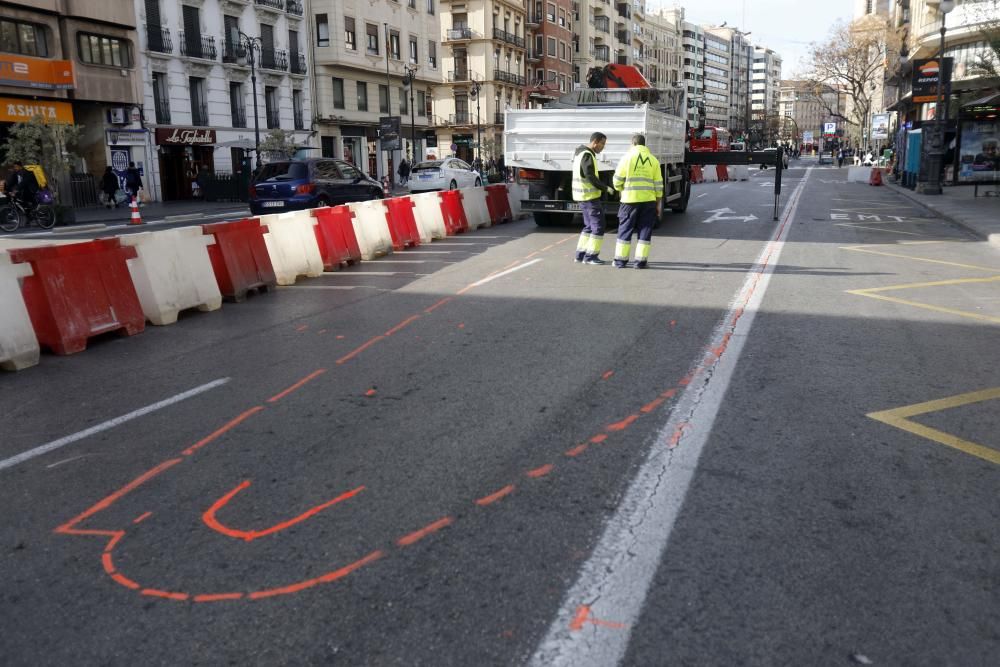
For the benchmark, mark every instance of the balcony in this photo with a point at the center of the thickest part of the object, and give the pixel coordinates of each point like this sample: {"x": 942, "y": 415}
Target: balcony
{"x": 298, "y": 63}
{"x": 602, "y": 53}
{"x": 508, "y": 77}
{"x": 158, "y": 39}
{"x": 273, "y": 121}
{"x": 534, "y": 19}
{"x": 239, "y": 117}
{"x": 198, "y": 46}
{"x": 298, "y": 119}
{"x": 534, "y": 57}
{"x": 294, "y": 7}
{"x": 458, "y": 35}
{"x": 624, "y": 11}
{"x": 199, "y": 114}
{"x": 602, "y": 24}
{"x": 622, "y": 36}
{"x": 232, "y": 51}
{"x": 459, "y": 75}
{"x": 459, "y": 119}
{"x": 509, "y": 38}
{"x": 273, "y": 5}
{"x": 161, "y": 108}
{"x": 498, "y": 118}
{"x": 275, "y": 59}
{"x": 621, "y": 60}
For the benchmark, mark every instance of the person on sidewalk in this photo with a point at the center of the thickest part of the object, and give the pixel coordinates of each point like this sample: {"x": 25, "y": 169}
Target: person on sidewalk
{"x": 133, "y": 181}
{"x": 840, "y": 158}
{"x": 404, "y": 171}
{"x": 587, "y": 189}
{"x": 109, "y": 186}
{"x": 640, "y": 180}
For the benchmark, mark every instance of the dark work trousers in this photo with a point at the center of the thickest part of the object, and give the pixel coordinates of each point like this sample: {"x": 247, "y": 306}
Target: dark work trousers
{"x": 593, "y": 217}
{"x": 636, "y": 217}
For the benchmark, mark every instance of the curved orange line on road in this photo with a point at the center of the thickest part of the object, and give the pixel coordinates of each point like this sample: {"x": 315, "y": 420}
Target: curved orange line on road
{"x": 249, "y": 535}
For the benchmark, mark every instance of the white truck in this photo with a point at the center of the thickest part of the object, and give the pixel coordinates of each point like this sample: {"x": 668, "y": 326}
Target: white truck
{"x": 539, "y": 144}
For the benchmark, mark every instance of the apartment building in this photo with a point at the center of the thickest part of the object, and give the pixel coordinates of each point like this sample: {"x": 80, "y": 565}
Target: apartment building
{"x": 484, "y": 57}
{"x": 693, "y": 47}
{"x": 766, "y": 83}
{"x": 198, "y": 84}
{"x": 809, "y": 108}
{"x": 76, "y": 62}
{"x": 374, "y": 61}
{"x": 665, "y": 62}
{"x": 551, "y": 49}
{"x": 718, "y": 71}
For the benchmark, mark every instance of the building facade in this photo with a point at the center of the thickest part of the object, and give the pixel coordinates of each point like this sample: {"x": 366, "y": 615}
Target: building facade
{"x": 198, "y": 87}
{"x": 693, "y": 46}
{"x": 665, "y": 55}
{"x": 551, "y": 49}
{"x": 809, "y": 109}
{"x": 766, "y": 84}
{"x": 75, "y": 62}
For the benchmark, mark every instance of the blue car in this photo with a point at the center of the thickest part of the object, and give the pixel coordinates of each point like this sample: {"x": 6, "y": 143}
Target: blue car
{"x": 299, "y": 184}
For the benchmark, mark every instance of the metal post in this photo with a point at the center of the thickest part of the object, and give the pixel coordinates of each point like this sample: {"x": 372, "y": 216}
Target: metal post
{"x": 936, "y": 130}
{"x": 388, "y": 103}
{"x": 249, "y": 43}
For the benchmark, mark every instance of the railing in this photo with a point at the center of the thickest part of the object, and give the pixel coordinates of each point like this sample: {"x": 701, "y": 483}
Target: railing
{"x": 624, "y": 11}
{"x": 622, "y": 35}
{"x": 498, "y": 118}
{"x": 198, "y": 46}
{"x": 534, "y": 56}
{"x": 277, "y": 5}
{"x": 603, "y": 53}
{"x": 274, "y": 59}
{"x": 223, "y": 186}
{"x": 161, "y": 108}
{"x": 534, "y": 18}
{"x": 298, "y": 120}
{"x": 199, "y": 114}
{"x": 603, "y": 24}
{"x": 273, "y": 120}
{"x": 82, "y": 190}
{"x": 458, "y": 34}
{"x": 508, "y": 77}
{"x": 508, "y": 37}
{"x": 158, "y": 39}
{"x": 294, "y": 7}
{"x": 233, "y": 51}
{"x": 239, "y": 117}
{"x": 298, "y": 63}
{"x": 458, "y": 119}
{"x": 460, "y": 75}
{"x": 621, "y": 60}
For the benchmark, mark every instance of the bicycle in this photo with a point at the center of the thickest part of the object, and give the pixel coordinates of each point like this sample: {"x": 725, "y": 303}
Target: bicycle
{"x": 15, "y": 212}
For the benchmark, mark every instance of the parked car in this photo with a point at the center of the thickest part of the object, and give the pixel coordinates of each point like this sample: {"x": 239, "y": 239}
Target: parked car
{"x": 447, "y": 174}
{"x": 293, "y": 185}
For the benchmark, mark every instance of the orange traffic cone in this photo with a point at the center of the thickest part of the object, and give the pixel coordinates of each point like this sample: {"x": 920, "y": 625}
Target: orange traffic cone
{"x": 876, "y": 177}
{"x": 136, "y": 218}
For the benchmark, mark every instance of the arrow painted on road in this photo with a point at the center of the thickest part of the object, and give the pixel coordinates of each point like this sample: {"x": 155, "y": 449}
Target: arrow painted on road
{"x": 720, "y": 214}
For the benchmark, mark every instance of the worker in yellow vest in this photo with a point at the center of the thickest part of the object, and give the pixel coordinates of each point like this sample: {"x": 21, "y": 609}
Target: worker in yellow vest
{"x": 587, "y": 189}
{"x": 640, "y": 182}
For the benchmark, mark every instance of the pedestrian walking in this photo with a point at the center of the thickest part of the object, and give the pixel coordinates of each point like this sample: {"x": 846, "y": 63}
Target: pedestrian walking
{"x": 133, "y": 181}
{"x": 840, "y": 158}
{"x": 109, "y": 186}
{"x": 587, "y": 189}
{"x": 404, "y": 171}
{"x": 640, "y": 182}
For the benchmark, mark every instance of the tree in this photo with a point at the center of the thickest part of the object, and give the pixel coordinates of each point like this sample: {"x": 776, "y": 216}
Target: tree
{"x": 36, "y": 141}
{"x": 278, "y": 144}
{"x": 987, "y": 61}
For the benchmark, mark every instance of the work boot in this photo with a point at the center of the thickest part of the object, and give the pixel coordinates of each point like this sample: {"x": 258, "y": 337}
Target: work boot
{"x": 620, "y": 264}
{"x": 640, "y": 265}
{"x": 580, "y": 256}
{"x": 594, "y": 260}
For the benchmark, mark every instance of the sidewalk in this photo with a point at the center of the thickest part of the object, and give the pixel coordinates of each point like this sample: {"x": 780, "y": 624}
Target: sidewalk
{"x": 980, "y": 215}
{"x": 155, "y": 211}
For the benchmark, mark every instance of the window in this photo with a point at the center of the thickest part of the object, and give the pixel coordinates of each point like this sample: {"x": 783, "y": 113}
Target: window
{"x": 199, "y": 109}
{"x": 394, "y": 44}
{"x": 383, "y": 99}
{"x": 413, "y": 51}
{"x": 362, "y": 96}
{"x": 27, "y": 39}
{"x": 372, "y": 32}
{"x": 562, "y": 17}
{"x": 322, "y": 30}
{"x": 326, "y": 170}
{"x": 552, "y": 46}
{"x": 421, "y": 103}
{"x": 432, "y": 54}
{"x": 551, "y": 13}
{"x": 102, "y": 50}
{"x": 562, "y": 50}
{"x": 348, "y": 171}
{"x": 404, "y": 103}
{"x": 236, "y": 108}
{"x": 297, "y": 110}
{"x": 350, "y": 36}
{"x": 271, "y": 107}
{"x": 427, "y": 110}
{"x": 161, "y": 103}
{"x": 430, "y": 7}
{"x": 412, "y": 4}
{"x": 338, "y": 93}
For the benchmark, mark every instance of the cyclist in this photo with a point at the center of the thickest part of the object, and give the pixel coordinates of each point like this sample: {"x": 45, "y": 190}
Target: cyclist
{"x": 22, "y": 185}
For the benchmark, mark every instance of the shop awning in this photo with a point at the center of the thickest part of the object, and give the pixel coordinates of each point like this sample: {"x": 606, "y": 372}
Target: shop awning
{"x": 988, "y": 101}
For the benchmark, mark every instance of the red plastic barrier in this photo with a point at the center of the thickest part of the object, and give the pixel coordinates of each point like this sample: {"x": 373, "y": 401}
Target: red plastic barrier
{"x": 335, "y": 235}
{"x": 78, "y": 291}
{"x": 722, "y": 171}
{"x": 455, "y": 221}
{"x": 239, "y": 257}
{"x": 402, "y": 225}
{"x": 696, "y": 175}
{"x": 498, "y": 203}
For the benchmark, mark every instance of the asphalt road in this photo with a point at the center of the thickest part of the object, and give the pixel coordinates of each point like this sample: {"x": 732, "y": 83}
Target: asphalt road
{"x": 778, "y": 445}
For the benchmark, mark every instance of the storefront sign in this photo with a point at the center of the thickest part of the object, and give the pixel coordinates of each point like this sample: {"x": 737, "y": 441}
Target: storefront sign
{"x": 925, "y": 79}
{"x": 13, "y": 110}
{"x": 126, "y": 137}
{"x": 28, "y": 72}
{"x": 184, "y": 136}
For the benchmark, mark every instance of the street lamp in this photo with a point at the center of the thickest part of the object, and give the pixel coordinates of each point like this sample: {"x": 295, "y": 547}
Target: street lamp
{"x": 408, "y": 77}
{"x": 246, "y": 56}
{"x": 935, "y": 132}
{"x": 479, "y": 136}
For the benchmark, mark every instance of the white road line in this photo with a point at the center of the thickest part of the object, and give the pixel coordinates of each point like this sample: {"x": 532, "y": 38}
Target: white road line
{"x": 348, "y": 274}
{"x": 438, "y": 245}
{"x": 702, "y": 194}
{"x": 111, "y": 423}
{"x": 613, "y": 584}
{"x": 504, "y": 273}
{"x": 428, "y": 252}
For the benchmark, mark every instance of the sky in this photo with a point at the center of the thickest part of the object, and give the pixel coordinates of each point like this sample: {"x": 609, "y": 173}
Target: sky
{"x": 786, "y": 26}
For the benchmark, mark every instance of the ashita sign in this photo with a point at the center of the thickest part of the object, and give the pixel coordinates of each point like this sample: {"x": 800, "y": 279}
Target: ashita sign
{"x": 184, "y": 136}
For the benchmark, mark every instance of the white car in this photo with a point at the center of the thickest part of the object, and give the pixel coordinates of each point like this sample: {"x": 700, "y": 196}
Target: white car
{"x": 449, "y": 173}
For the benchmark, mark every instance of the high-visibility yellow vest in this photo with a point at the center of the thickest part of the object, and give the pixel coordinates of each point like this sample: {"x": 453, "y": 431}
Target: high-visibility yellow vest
{"x": 583, "y": 190}
{"x": 638, "y": 177}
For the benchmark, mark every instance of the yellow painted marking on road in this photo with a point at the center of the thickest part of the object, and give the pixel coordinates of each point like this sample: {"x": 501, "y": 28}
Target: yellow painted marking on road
{"x": 899, "y": 418}
{"x": 878, "y": 229}
{"x": 936, "y": 283}
{"x": 921, "y": 259}
{"x": 870, "y": 292}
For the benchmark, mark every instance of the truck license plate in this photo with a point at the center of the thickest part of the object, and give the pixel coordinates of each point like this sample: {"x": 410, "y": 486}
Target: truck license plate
{"x": 573, "y": 206}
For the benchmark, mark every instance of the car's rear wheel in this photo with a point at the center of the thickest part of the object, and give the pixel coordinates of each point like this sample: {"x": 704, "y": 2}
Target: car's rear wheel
{"x": 453, "y": 185}
{"x": 322, "y": 202}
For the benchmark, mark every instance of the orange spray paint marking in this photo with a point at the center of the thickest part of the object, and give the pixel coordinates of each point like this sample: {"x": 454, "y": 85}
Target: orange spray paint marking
{"x": 717, "y": 351}
{"x": 607, "y": 374}
{"x": 249, "y": 535}
{"x": 302, "y": 327}
{"x": 231, "y": 424}
{"x": 540, "y": 471}
{"x": 439, "y": 304}
{"x": 623, "y": 424}
{"x": 370, "y": 393}
{"x": 673, "y": 323}
{"x": 358, "y": 350}
{"x": 324, "y": 579}
{"x": 402, "y": 324}
{"x": 340, "y": 338}
{"x": 153, "y": 592}
{"x": 312, "y": 376}
{"x": 217, "y": 597}
{"x": 322, "y": 331}
{"x": 493, "y": 497}
{"x": 142, "y": 517}
{"x": 418, "y": 535}
{"x": 108, "y": 564}
{"x": 669, "y": 393}
{"x": 652, "y": 405}
{"x": 461, "y": 325}
{"x": 583, "y": 616}
{"x": 599, "y": 438}
{"x": 125, "y": 581}
{"x": 678, "y": 434}
{"x": 576, "y": 451}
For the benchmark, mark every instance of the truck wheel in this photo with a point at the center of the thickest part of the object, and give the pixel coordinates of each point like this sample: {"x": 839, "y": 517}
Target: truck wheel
{"x": 680, "y": 205}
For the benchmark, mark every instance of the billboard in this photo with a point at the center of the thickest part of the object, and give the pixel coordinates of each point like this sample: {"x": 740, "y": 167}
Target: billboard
{"x": 926, "y": 73}
{"x": 388, "y": 133}
{"x": 880, "y": 126}
{"x": 979, "y": 154}
{"x": 807, "y": 137}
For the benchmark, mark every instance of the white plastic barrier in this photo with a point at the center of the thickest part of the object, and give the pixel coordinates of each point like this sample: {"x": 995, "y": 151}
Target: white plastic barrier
{"x": 291, "y": 243}
{"x": 710, "y": 173}
{"x": 172, "y": 272}
{"x": 739, "y": 172}
{"x": 371, "y": 228}
{"x": 18, "y": 344}
{"x": 859, "y": 174}
{"x": 427, "y": 213}
{"x": 515, "y": 193}
{"x": 477, "y": 212}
